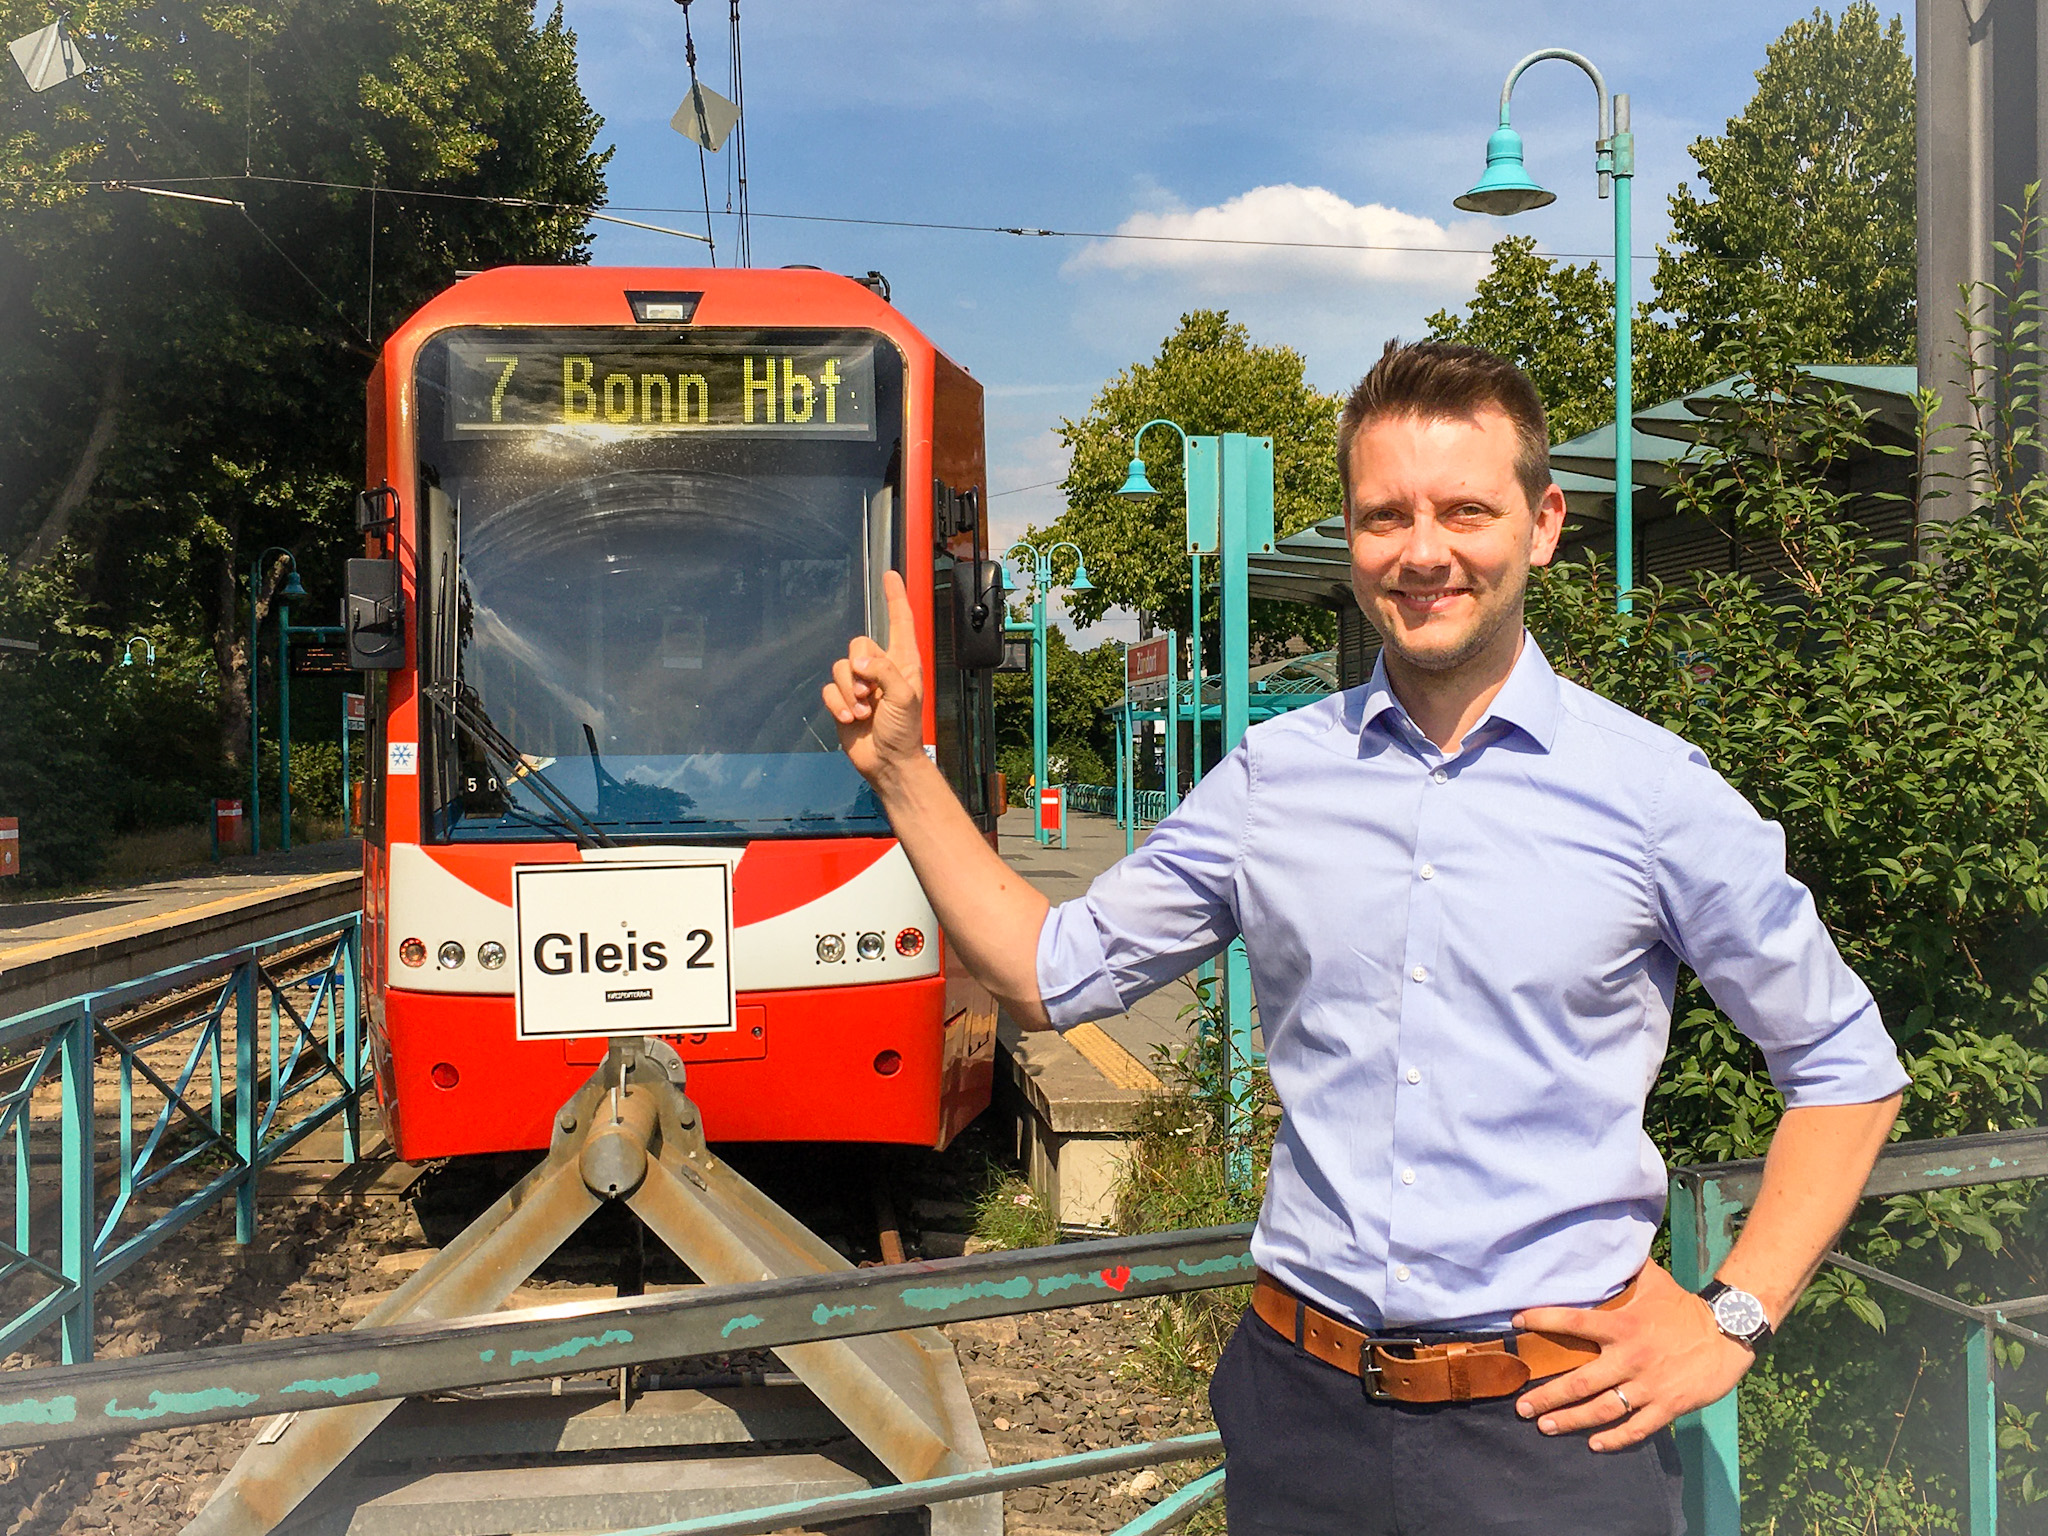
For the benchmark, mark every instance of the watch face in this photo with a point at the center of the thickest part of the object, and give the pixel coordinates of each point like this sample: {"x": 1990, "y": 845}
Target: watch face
{"x": 1738, "y": 1313}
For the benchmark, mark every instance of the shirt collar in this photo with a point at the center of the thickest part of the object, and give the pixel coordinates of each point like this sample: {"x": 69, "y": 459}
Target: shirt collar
{"x": 1529, "y": 700}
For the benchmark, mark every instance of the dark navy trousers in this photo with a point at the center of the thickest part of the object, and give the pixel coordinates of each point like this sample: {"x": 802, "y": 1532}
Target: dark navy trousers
{"x": 1307, "y": 1453}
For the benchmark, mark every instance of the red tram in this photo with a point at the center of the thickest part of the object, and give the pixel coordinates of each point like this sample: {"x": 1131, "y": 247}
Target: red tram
{"x": 621, "y": 523}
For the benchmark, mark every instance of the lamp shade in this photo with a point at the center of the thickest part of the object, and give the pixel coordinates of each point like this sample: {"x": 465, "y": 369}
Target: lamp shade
{"x": 1506, "y": 187}
{"x": 1081, "y": 583}
{"x": 292, "y": 591}
{"x": 1135, "y": 483}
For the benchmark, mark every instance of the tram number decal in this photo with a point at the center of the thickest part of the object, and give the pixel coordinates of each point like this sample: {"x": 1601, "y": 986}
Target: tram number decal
{"x": 599, "y": 945}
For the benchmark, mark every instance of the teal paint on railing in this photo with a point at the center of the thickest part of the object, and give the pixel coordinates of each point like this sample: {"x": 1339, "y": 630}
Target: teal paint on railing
{"x": 938, "y": 1298}
{"x": 335, "y": 1386}
{"x": 161, "y": 1403}
{"x": 41, "y": 1410}
{"x": 94, "y": 1241}
{"x": 568, "y": 1349}
{"x": 751, "y": 1320}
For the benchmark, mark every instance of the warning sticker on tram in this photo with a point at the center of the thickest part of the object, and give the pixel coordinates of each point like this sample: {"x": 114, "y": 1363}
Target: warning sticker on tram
{"x": 605, "y": 382}
{"x": 623, "y": 949}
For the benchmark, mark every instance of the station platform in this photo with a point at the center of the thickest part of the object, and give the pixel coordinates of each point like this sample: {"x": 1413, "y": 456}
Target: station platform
{"x": 62, "y": 946}
{"x": 1075, "y": 1099}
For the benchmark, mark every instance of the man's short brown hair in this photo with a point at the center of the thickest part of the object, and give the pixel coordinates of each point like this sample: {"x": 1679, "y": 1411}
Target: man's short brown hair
{"x": 1438, "y": 380}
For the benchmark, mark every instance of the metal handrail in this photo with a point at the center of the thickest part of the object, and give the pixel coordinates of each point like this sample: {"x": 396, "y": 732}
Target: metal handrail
{"x": 235, "y": 1120}
{"x": 1706, "y": 1201}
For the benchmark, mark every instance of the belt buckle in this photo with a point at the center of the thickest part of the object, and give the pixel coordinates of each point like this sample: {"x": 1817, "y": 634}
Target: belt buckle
{"x": 1369, "y": 1369}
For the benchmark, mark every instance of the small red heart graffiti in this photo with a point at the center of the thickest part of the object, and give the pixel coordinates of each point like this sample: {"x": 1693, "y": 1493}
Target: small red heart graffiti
{"x": 1116, "y": 1279}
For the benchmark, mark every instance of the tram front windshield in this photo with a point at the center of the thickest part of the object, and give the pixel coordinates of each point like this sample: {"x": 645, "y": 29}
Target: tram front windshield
{"x": 640, "y": 555}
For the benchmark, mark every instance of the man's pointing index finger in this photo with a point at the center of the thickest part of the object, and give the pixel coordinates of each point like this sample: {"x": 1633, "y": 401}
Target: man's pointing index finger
{"x": 902, "y": 622}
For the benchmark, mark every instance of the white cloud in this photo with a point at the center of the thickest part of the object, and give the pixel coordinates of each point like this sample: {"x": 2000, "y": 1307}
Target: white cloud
{"x": 1289, "y": 236}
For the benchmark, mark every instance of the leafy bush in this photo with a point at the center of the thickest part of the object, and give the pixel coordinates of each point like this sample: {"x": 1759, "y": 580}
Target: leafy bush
{"x": 1892, "y": 715}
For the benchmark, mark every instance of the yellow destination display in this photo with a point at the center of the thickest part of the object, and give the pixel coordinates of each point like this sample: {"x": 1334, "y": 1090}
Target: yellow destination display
{"x": 613, "y": 382}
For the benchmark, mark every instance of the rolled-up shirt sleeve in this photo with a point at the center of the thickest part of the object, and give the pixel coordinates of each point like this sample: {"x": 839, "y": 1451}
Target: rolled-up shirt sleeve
{"x": 1729, "y": 909}
{"x": 1154, "y": 916}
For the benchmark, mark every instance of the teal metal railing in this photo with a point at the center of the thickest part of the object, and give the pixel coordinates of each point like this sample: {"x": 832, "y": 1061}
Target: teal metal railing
{"x": 230, "y": 1056}
{"x": 1095, "y": 799}
{"x": 1100, "y": 800}
{"x": 1707, "y": 1202}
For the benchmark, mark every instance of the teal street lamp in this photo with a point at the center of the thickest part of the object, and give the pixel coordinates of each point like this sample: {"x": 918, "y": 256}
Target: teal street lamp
{"x": 291, "y": 591}
{"x": 1507, "y": 188}
{"x": 292, "y": 588}
{"x": 1029, "y": 559}
{"x": 1138, "y": 486}
{"x": 1229, "y": 482}
{"x": 148, "y": 650}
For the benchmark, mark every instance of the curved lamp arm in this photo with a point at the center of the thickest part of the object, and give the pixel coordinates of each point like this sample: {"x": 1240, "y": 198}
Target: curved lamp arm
{"x": 257, "y": 568}
{"x": 1031, "y": 559}
{"x": 1603, "y": 143}
{"x": 1157, "y": 421}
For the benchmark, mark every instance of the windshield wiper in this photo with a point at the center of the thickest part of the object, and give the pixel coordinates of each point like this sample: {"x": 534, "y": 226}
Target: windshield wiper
{"x": 461, "y": 707}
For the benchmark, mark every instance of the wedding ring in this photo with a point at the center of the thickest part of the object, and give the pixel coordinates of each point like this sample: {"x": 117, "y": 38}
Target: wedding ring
{"x": 1625, "y": 1408}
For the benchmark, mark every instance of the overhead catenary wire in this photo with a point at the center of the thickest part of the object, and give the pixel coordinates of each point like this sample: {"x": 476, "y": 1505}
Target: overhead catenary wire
{"x": 738, "y": 163}
{"x": 703, "y": 128}
{"x": 1027, "y": 231}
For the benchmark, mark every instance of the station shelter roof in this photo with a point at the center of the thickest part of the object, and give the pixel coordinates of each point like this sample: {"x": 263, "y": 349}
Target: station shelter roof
{"x": 1313, "y": 565}
{"x": 1277, "y": 687}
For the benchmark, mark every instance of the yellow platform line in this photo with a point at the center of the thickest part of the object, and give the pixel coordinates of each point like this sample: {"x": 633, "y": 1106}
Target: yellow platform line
{"x": 1112, "y": 1060}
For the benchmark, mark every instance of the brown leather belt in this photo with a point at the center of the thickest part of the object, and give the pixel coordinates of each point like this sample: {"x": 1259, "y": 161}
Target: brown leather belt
{"x": 1424, "y": 1373}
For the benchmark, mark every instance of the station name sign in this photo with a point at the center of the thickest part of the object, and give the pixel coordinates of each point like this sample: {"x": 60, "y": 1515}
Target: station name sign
{"x": 502, "y": 384}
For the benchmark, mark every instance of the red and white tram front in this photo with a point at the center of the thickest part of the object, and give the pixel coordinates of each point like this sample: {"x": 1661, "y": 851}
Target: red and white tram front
{"x": 636, "y": 553}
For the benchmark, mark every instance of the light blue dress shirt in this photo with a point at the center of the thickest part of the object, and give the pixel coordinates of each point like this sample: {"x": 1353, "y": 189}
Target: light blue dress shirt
{"x": 1464, "y": 966}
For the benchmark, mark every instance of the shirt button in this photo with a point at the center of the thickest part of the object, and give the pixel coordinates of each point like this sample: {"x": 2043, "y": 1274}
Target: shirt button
{"x": 1440, "y": 776}
{"x": 1420, "y": 973}
{"x": 1401, "y": 1274}
{"x": 1429, "y": 871}
{"x": 1414, "y": 1076}
{"x": 1407, "y": 1175}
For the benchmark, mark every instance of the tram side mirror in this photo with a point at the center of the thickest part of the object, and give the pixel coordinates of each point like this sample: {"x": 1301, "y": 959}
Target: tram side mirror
{"x": 373, "y": 616}
{"x": 978, "y": 615}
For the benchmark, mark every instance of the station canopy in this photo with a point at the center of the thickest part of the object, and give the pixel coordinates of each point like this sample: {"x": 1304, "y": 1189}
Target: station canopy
{"x": 1313, "y": 566}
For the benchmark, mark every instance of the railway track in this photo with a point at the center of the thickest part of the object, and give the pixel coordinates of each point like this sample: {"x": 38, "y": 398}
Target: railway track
{"x": 627, "y": 1446}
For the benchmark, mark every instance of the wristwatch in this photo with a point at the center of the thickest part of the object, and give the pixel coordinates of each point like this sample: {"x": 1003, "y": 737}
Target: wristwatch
{"x": 1738, "y": 1314}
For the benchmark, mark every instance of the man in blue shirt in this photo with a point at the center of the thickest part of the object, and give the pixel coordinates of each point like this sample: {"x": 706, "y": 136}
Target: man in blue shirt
{"x": 1465, "y": 891}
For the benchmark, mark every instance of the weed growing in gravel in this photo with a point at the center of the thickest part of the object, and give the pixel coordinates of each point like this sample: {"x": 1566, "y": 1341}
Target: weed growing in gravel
{"x": 1008, "y": 1213}
{"x": 1179, "y": 1176}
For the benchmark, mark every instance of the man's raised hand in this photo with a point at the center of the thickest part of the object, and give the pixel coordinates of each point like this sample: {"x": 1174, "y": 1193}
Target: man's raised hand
{"x": 877, "y": 696}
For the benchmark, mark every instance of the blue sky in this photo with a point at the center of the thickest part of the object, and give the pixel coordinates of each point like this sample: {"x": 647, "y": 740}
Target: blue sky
{"x": 1316, "y": 120}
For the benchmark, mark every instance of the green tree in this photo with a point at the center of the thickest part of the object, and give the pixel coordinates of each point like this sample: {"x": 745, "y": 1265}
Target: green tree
{"x": 1806, "y": 213}
{"x": 185, "y": 380}
{"x": 1556, "y": 322}
{"x": 1805, "y": 221}
{"x": 1210, "y": 377}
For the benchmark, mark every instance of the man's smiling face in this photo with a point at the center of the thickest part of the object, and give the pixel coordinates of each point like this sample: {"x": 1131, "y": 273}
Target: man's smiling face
{"x": 1442, "y": 535}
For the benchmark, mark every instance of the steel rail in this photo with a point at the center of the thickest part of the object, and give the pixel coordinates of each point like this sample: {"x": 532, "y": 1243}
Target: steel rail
{"x": 891, "y": 1497}
{"x": 365, "y": 1365}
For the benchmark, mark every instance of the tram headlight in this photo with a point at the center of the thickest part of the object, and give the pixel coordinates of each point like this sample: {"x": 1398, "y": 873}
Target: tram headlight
{"x": 413, "y": 953}
{"x": 452, "y": 955}
{"x": 869, "y": 946}
{"x": 831, "y": 949}
{"x": 490, "y": 954}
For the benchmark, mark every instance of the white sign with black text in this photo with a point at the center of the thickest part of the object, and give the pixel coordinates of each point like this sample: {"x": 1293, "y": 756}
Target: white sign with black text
{"x": 623, "y": 949}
